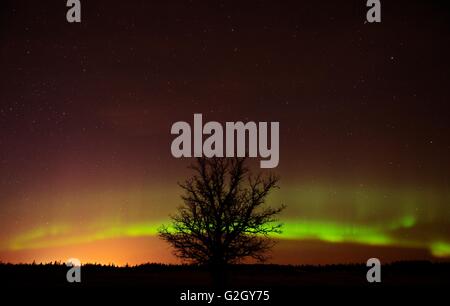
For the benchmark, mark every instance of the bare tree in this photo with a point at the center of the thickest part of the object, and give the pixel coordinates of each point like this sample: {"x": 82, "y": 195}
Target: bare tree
{"x": 224, "y": 218}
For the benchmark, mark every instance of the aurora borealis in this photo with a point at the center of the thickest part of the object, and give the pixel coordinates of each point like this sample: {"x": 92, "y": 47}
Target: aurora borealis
{"x": 86, "y": 110}
{"x": 402, "y": 226}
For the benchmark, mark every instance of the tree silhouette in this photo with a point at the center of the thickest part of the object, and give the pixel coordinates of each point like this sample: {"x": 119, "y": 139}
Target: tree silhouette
{"x": 224, "y": 218}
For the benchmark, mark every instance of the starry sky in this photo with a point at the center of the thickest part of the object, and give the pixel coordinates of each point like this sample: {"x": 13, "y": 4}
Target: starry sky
{"x": 86, "y": 110}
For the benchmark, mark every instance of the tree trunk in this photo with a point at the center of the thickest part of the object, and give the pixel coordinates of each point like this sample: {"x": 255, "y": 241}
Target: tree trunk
{"x": 219, "y": 276}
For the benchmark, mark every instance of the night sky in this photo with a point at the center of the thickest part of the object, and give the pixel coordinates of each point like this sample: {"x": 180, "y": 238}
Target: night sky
{"x": 86, "y": 111}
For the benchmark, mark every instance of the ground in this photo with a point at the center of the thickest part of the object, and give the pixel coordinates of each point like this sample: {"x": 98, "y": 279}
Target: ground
{"x": 283, "y": 283}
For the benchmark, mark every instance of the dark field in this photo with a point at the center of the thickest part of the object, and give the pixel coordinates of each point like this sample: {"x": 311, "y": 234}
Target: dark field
{"x": 285, "y": 283}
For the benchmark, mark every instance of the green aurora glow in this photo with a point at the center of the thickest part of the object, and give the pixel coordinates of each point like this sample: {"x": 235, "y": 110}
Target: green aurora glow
{"x": 361, "y": 215}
